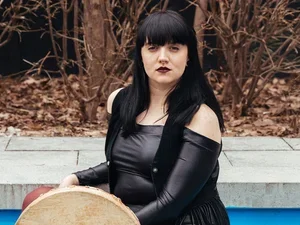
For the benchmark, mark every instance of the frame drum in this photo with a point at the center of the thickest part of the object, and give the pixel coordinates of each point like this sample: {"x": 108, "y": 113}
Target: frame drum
{"x": 77, "y": 205}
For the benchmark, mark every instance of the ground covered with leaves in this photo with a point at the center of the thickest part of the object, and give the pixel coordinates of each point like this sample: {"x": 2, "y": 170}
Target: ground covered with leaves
{"x": 39, "y": 106}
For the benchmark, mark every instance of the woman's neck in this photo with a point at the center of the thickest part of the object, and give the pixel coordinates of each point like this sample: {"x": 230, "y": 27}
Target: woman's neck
{"x": 156, "y": 112}
{"x": 158, "y": 97}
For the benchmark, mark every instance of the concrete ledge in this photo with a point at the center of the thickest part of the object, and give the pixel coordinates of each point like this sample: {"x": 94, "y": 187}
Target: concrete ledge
{"x": 17, "y": 182}
{"x": 257, "y": 159}
{"x": 260, "y": 195}
{"x": 255, "y": 172}
{"x": 54, "y": 144}
{"x": 293, "y": 142}
{"x": 255, "y": 143}
{"x": 3, "y": 143}
{"x": 90, "y": 158}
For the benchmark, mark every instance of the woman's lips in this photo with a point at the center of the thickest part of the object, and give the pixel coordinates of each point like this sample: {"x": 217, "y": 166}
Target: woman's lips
{"x": 163, "y": 69}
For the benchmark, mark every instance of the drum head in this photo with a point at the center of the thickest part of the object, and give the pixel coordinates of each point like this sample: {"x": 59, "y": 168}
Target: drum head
{"x": 77, "y": 205}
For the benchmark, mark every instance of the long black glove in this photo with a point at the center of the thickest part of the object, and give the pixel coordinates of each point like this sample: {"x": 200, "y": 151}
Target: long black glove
{"x": 194, "y": 166}
{"x": 94, "y": 175}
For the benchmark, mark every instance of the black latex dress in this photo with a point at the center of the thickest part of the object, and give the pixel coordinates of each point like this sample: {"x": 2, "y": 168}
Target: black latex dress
{"x": 131, "y": 160}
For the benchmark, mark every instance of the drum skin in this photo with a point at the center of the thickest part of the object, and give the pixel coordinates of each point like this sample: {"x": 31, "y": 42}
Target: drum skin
{"x": 77, "y": 205}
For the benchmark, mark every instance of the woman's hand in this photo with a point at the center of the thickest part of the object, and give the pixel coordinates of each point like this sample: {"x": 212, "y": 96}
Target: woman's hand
{"x": 69, "y": 180}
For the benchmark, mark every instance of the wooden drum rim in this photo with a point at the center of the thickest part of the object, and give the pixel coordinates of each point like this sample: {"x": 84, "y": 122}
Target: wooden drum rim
{"x": 93, "y": 194}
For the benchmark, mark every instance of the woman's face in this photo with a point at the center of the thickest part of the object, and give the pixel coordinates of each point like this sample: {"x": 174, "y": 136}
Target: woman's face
{"x": 165, "y": 64}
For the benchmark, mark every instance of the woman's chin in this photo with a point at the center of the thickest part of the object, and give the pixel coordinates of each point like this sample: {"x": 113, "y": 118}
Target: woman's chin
{"x": 166, "y": 81}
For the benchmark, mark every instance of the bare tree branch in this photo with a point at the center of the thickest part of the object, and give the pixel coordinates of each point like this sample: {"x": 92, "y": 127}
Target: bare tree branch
{"x": 258, "y": 39}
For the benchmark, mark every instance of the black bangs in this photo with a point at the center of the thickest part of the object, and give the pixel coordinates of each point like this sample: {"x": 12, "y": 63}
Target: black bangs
{"x": 163, "y": 27}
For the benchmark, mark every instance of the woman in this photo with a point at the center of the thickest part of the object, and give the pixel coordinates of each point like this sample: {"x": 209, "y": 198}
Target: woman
{"x": 164, "y": 135}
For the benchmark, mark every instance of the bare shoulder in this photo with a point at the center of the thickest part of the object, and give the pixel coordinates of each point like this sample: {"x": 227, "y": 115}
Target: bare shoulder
{"x": 110, "y": 100}
{"x": 206, "y": 123}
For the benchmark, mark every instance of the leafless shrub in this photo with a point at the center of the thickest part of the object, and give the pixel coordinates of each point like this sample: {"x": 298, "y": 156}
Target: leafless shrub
{"x": 13, "y": 18}
{"x": 103, "y": 42}
{"x": 257, "y": 39}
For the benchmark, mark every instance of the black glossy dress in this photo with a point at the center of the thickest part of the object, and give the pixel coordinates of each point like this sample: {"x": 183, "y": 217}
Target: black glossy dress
{"x": 177, "y": 187}
{"x": 132, "y": 158}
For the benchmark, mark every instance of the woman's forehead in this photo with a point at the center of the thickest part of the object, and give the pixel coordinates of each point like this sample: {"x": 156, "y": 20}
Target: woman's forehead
{"x": 167, "y": 43}
{"x": 155, "y": 41}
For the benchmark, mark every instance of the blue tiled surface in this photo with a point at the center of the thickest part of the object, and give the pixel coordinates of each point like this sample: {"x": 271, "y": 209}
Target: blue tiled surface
{"x": 238, "y": 216}
{"x": 9, "y": 217}
{"x": 246, "y": 216}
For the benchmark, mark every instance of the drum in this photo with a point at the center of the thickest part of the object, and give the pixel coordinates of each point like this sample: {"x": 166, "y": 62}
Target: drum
{"x": 77, "y": 205}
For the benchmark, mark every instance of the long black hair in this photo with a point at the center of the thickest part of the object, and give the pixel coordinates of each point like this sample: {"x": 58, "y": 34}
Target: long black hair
{"x": 191, "y": 90}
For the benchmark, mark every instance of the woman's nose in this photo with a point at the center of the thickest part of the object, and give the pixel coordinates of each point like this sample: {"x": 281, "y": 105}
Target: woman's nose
{"x": 163, "y": 55}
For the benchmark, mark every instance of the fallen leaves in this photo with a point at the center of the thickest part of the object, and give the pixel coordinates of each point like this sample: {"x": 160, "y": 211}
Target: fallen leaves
{"x": 40, "y": 107}
{"x": 264, "y": 122}
{"x": 276, "y": 112}
{"x": 35, "y": 106}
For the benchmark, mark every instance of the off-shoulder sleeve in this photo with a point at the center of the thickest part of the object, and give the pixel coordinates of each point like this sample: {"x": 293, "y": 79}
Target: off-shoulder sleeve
{"x": 191, "y": 171}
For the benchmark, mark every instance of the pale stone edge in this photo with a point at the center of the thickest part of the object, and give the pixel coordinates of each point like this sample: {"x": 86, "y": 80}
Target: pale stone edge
{"x": 59, "y": 144}
{"x": 290, "y": 142}
{"x": 260, "y": 195}
{"x": 4, "y": 143}
{"x": 236, "y": 144}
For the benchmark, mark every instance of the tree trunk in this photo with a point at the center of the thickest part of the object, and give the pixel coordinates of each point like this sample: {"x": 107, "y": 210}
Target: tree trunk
{"x": 95, "y": 39}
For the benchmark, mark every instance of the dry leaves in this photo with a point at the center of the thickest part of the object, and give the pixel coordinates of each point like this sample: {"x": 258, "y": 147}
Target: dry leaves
{"x": 275, "y": 113}
{"x": 40, "y": 107}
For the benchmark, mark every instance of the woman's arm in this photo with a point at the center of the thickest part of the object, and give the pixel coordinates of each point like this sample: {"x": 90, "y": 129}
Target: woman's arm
{"x": 196, "y": 161}
{"x": 93, "y": 175}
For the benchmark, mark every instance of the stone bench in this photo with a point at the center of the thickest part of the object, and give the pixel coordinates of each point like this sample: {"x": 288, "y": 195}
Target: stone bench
{"x": 255, "y": 171}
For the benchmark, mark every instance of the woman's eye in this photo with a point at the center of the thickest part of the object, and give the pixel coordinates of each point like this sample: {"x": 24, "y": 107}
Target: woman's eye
{"x": 174, "y": 48}
{"x": 152, "y": 48}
